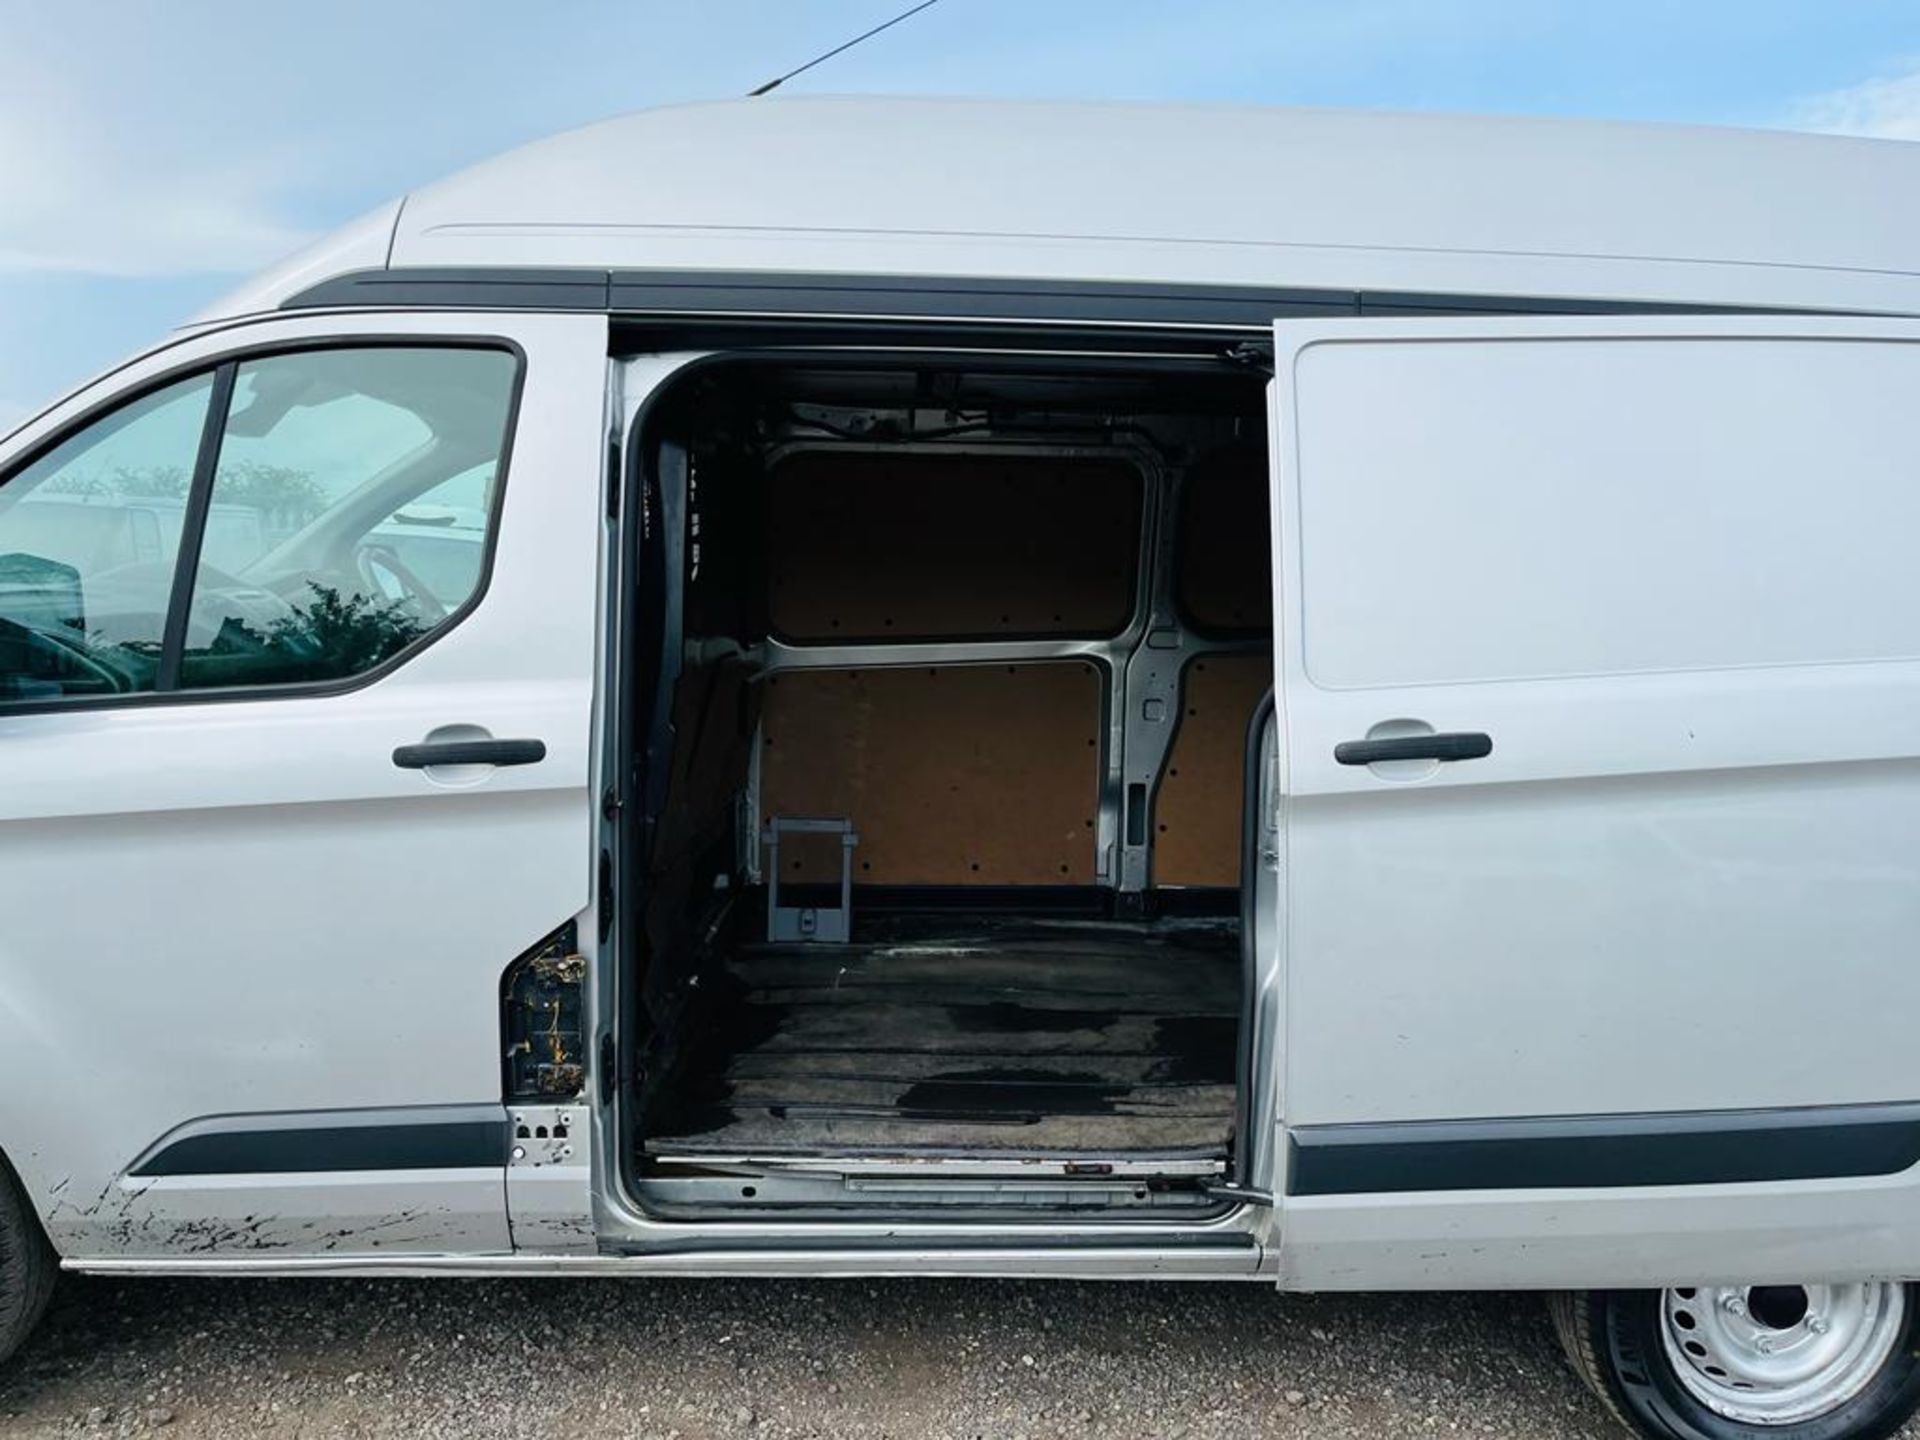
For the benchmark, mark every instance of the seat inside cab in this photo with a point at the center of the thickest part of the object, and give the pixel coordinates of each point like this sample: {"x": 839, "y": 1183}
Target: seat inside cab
{"x": 939, "y": 845}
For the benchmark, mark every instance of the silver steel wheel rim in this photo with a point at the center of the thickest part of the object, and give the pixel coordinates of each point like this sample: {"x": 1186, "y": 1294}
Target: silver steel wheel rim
{"x": 1780, "y": 1354}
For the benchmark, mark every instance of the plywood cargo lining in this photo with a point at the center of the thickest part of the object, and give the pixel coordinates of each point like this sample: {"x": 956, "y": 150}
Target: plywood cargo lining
{"x": 878, "y": 546}
{"x": 952, "y": 775}
{"x": 1197, "y": 811}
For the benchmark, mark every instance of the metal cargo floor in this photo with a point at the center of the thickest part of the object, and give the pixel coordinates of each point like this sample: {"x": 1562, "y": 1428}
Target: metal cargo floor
{"x": 936, "y": 1037}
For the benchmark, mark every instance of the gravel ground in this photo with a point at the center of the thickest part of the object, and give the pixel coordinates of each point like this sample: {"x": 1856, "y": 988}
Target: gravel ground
{"x": 769, "y": 1358}
{"x": 698, "y": 1359}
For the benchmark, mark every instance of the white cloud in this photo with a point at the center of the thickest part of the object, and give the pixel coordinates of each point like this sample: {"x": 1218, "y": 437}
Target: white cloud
{"x": 81, "y": 195}
{"x": 1887, "y": 106}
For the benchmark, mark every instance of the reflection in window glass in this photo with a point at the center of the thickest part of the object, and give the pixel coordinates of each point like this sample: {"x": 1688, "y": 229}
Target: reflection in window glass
{"x": 349, "y": 512}
{"x": 441, "y": 536}
{"x": 88, "y": 536}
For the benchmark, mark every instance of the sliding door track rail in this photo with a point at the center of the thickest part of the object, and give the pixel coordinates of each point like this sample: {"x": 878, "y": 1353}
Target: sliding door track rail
{"x": 938, "y": 1167}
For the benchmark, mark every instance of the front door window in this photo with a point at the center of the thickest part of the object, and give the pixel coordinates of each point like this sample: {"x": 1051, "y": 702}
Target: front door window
{"x": 292, "y": 519}
{"x": 89, "y": 535}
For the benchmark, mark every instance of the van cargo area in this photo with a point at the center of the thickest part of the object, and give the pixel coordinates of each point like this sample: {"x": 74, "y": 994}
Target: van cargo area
{"x": 938, "y": 833}
{"x": 944, "y": 1034}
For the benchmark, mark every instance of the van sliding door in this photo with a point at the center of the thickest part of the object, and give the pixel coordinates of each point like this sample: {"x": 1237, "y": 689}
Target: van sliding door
{"x": 1599, "y": 674}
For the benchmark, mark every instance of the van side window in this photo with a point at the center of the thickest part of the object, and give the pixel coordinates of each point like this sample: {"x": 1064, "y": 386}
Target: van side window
{"x": 349, "y": 513}
{"x": 89, "y": 533}
{"x": 332, "y": 507}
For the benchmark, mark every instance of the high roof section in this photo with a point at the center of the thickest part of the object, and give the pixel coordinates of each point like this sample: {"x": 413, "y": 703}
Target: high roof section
{"x": 1175, "y": 195}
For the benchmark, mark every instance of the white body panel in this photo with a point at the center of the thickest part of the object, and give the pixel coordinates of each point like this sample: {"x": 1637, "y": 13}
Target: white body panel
{"x": 1661, "y": 891}
{"x": 1185, "y": 195}
{"x": 1686, "y": 878}
{"x": 217, "y": 907}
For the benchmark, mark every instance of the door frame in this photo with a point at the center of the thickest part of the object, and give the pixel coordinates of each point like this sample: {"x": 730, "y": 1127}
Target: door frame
{"x": 1231, "y": 1237}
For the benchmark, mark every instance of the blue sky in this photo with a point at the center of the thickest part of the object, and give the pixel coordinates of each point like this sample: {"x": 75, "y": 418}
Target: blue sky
{"x": 152, "y": 155}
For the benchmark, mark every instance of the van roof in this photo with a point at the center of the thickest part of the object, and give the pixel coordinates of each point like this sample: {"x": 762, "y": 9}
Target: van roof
{"x": 1173, "y": 195}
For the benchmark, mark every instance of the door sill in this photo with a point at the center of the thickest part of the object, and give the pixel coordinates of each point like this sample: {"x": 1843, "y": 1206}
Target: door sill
{"x": 994, "y": 1189}
{"x": 1222, "y": 1256}
{"x": 972, "y": 1166}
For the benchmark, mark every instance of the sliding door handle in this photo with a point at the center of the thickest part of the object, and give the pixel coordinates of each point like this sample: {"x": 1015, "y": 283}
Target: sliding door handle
{"x": 1452, "y": 745}
{"x": 431, "y": 753}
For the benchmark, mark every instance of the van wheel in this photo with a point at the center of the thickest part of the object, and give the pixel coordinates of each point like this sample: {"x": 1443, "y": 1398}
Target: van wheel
{"x": 27, "y": 1265}
{"x": 1788, "y": 1362}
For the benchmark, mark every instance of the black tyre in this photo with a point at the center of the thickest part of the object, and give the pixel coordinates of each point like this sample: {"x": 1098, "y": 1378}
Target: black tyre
{"x": 27, "y": 1265}
{"x": 1764, "y": 1362}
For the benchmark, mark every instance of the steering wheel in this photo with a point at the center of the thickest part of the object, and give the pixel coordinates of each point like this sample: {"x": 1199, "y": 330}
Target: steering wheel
{"x": 72, "y": 650}
{"x": 141, "y": 588}
{"x": 370, "y": 559}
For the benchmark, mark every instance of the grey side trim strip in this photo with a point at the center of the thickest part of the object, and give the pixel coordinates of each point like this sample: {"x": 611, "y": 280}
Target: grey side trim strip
{"x": 438, "y": 1137}
{"x": 946, "y": 297}
{"x": 435, "y": 288}
{"x": 710, "y": 294}
{"x": 1683, "y": 1148}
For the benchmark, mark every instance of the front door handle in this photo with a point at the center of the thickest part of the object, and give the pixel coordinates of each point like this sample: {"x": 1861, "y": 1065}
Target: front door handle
{"x": 430, "y": 753}
{"x": 1452, "y": 745}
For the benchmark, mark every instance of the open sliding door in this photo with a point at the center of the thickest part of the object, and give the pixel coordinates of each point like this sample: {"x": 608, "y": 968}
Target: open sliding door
{"x": 1599, "y": 690}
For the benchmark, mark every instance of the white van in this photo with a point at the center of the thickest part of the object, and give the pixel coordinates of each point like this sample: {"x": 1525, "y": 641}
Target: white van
{"x": 909, "y": 687}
